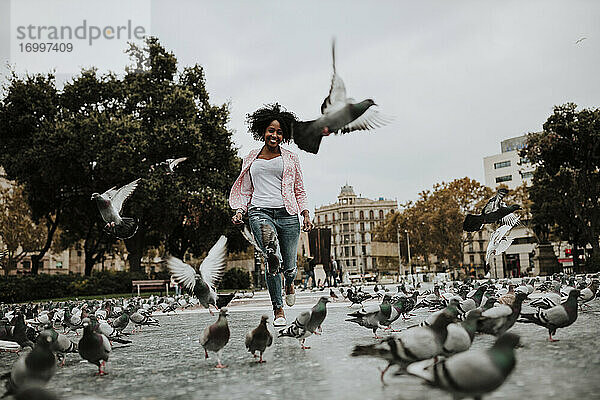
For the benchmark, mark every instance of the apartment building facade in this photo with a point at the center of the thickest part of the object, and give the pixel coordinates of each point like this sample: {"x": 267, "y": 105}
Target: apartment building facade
{"x": 352, "y": 220}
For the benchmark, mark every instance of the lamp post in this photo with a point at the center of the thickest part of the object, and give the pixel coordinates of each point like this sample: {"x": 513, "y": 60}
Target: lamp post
{"x": 408, "y": 249}
{"x": 399, "y": 252}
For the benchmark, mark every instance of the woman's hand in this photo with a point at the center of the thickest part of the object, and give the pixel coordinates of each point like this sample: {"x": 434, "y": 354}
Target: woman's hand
{"x": 237, "y": 219}
{"x": 306, "y": 224}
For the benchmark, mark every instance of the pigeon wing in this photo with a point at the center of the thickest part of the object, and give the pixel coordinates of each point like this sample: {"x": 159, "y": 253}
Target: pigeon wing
{"x": 247, "y": 234}
{"x": 337, "y": 92}
{"x": 182, "y": 272}
{"x": 174, "y": 162}
{"x": 370, "y": 119}
{"x": 118, "y": 197}
{"x": 214, "y": 264}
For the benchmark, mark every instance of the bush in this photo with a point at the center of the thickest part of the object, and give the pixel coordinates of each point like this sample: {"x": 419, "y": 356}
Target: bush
{"x": 235, "y": 278}
{"x": 14, "y": 289}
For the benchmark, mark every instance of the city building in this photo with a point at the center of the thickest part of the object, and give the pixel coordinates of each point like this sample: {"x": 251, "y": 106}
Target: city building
{"x": 352, "y": 220}
{"x": 510, "y": 169}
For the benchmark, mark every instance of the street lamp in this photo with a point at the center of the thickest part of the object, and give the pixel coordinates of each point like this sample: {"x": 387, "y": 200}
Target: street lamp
{"x": 399, "y": 252}
{"x": 408, "y": 248}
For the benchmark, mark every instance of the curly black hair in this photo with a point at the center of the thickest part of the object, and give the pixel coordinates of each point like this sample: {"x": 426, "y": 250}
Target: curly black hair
{"x": 259, "y": 121}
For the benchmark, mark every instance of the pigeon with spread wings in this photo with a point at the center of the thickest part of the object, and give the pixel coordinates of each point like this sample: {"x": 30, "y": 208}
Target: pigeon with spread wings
{"x": 110, "y": 204}
{"x": 339, "y": 115}
{"x": 495, "y": 210}
{"x": 203, "y": 284}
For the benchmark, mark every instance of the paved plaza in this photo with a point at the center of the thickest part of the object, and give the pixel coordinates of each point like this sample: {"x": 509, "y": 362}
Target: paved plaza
{"x": 167, "y": 362}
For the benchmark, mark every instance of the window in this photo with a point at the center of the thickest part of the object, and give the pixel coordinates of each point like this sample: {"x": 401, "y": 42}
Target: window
{"x": 371, "y": 215}
{"x": 470, "y": 246}
{"x": 527, "y": 175}
{"x": 523, "y": 160}
{"x": 504, "y": 178}
{"x": 333, "y": 217}
{"x": 59, "y": 264}
{"x": 318, "y": 219}
{"x": 325, "y": 218}
{"x": 353, "y": 251}
{"x": 345, "y": 216}
{"x": 362, "y": 237}
{"x": 354, "y": 263}
{"x": 345, "y": 228}
{"x": 380, "y": 214}
{"x": 472, "y": 259}
{"x": 361, "y": 215}
{"x": 347, "y": 251}
{"x": 480, "y": 235}
{"x": 374, "y": 262}
{"x": 482, "y": 259}
{"x": 362, "y": 226}
{"x": 78, "y": 253}
{"x": 346, "y": 239}
{"x": 364, "y": 250}
{"x": 502, "y": 164}
{"x": 26, "y": 264}
{"x": 524, "y": 240}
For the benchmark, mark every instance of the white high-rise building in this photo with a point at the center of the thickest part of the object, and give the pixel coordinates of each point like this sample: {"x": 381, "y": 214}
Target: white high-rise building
{"x": 508, "y": 167}
{"x": 512, "y": 170}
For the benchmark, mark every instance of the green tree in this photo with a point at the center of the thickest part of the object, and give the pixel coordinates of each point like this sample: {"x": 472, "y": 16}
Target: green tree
{"x": 102, "y": 131}
{"x": 566, "y": 182}
{"x": 434, "y": 221}
{"x": 18, "y": 232}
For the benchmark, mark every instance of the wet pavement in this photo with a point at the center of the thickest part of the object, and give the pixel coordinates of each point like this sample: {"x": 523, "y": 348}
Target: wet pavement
{"x": 167, "y": 362}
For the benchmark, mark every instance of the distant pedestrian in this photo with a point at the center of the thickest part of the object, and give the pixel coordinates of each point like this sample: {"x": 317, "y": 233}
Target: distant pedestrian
{"x": 309, "y": 270}
{"x": 334, "y": 271}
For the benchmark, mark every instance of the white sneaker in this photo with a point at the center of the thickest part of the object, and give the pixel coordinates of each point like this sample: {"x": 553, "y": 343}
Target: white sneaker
{"x": 279, "y": 318}
{"x": 290, "y": 299}
{"x": 280, "y": 322}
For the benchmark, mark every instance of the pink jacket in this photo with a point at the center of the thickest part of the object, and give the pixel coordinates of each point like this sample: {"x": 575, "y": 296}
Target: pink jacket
{"x": 292, "y": 184}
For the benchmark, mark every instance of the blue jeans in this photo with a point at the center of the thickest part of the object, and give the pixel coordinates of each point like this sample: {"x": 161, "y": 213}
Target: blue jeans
{"x": 287, "y": 228}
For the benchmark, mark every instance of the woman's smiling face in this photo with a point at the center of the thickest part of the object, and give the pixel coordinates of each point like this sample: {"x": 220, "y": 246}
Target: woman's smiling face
{"x": 273, "y": 135}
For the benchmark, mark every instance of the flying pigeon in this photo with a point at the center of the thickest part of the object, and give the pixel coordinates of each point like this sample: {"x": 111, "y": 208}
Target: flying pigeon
{"x": 259, "y": 338}
{"x": 202, "y": 284}
{"x": 556, "y": 317}
{"x": 271, "y": 253}
{"x": 499, "y": 240}
{"x": 307, "y": 323}
{"x": 93, "y": 346}
{"x": 34, "y": 368}
{"x": 216, "y": 336}
{"x": 110, "y": 204}
{"x": 170, "y": 163}
{"x": 495, "y": 210}
{"x": 339, "y": 115}
{"x": 472, "y": 373}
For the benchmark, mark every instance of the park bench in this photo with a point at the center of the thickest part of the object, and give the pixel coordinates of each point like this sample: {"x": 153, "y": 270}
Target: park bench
{"x": 158, "y": 284}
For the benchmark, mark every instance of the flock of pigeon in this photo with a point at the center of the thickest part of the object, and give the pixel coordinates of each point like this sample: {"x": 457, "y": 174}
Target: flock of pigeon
{"x": 435, "y": 349}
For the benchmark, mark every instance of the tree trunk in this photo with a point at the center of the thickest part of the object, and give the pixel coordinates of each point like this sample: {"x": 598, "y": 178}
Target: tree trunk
{"x": 595, "y": 261}
{"x": 36, "y": 259}
{"x": 135, "y": 248}
{"x": 575, "y": 255}
{"x": 89, "y": 264}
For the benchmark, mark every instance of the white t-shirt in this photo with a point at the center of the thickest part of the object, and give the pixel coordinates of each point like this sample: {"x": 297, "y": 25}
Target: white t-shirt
{"x": 266, "y": 178}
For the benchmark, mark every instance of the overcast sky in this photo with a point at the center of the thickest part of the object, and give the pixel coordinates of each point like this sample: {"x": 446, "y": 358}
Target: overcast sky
{"x": 457, "y": 76}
